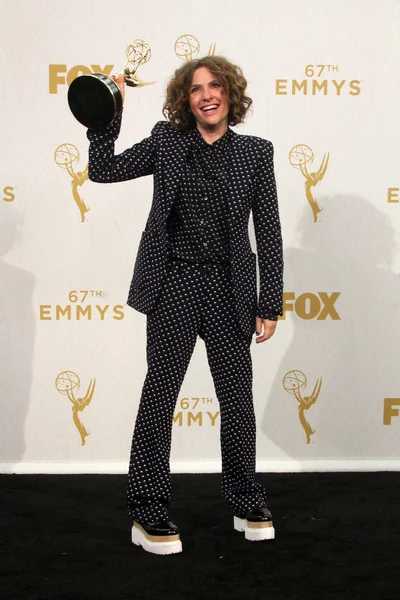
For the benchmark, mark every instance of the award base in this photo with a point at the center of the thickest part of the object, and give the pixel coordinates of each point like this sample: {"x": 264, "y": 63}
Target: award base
{"x": 95, "y": 100}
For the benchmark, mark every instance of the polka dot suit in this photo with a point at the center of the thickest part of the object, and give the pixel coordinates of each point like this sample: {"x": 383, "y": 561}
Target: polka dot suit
{"x": 182, "y": 300}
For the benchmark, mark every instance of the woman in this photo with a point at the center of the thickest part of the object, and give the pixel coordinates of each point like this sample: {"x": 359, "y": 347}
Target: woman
{"x": 195, "y": 274}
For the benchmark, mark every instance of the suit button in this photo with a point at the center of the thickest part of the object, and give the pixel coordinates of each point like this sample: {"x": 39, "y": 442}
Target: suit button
{"x": 201, "y": 222}
{"x": 205, "y": 243}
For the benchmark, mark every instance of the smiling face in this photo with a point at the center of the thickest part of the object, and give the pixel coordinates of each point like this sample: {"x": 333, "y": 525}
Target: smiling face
{"x": 208, "y": 101}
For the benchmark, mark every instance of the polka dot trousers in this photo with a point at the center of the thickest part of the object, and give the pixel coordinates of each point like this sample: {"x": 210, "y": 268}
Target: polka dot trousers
{"x": 195, "y": 300}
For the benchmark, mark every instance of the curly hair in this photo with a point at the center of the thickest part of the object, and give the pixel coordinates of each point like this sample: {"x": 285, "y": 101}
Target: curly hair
{"x": 176, "y": 106}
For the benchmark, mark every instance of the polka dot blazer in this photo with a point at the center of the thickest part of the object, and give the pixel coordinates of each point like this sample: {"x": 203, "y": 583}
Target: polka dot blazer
{"x": 251, "y": 187}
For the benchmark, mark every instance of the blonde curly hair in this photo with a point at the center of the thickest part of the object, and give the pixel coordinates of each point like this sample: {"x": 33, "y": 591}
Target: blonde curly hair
{"x": 176, "y": 106}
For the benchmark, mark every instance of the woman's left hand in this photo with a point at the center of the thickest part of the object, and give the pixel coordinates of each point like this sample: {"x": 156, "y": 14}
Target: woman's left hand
{"x": 269, "y": 329}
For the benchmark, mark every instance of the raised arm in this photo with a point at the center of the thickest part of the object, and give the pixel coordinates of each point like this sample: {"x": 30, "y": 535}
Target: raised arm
{"x": 107, "y": 167}
{"x": 139, "y": 160}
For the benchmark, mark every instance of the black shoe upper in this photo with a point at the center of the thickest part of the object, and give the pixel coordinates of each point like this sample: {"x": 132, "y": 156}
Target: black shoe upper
{"x": 259, "y": 513}
{"x": 162, "y": 527}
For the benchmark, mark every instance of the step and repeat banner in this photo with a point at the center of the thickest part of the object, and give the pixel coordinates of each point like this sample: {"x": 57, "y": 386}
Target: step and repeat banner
{"x": 325, "y": 82}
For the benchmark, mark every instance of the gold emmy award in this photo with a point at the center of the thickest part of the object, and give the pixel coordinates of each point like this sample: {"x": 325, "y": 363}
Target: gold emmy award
{"x": 292, "y": 382}
{"x": 66, "y": 383}
{"x": 95, "y": 100}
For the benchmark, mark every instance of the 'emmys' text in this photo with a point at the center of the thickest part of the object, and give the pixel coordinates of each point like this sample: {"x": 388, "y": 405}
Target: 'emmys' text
{"x": 314, "y": 86}
{"x": 78, "y": 311}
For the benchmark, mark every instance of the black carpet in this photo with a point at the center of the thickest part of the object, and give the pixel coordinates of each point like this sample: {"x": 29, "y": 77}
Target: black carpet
{"x": 68, "y": 537}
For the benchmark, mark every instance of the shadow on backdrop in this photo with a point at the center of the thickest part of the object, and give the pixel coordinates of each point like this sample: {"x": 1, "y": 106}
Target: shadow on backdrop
{"x": 336, "y": 411}
{"x": 17, "y": 334}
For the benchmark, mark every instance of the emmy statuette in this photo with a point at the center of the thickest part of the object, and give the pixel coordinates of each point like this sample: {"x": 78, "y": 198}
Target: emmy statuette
{"x": 95, "y": 100}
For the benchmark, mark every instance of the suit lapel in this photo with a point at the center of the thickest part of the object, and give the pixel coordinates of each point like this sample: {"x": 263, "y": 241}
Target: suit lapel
{"x": 237, "y": 191}
{"x": 179, "y": 145}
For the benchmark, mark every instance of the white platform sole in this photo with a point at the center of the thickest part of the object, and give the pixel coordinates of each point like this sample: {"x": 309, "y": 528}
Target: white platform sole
{"x": 169, "y": 546}
{"x": 255, "y": 532}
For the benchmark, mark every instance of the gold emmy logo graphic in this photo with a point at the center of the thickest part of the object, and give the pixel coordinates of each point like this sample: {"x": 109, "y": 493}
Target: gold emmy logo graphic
{"x": 293, "y": 382}
{"x": 66, "y": 383}
{"x": 299, "y": 156}
{"x": 187, "y": 47}
{"x": 65, "y": 156}
{"x": 389, "y": 409}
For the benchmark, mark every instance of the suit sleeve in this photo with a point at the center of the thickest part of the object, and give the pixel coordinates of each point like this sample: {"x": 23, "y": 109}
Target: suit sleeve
{"x": 107, "y": 167}
{"x": 267, "y": 228}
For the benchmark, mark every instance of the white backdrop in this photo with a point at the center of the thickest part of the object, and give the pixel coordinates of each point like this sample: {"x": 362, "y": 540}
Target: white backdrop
{"x": 325, "y": 77}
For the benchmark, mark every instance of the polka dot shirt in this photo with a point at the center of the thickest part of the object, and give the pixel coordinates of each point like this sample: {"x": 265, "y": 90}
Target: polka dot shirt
{"x": 198, "y": 227}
